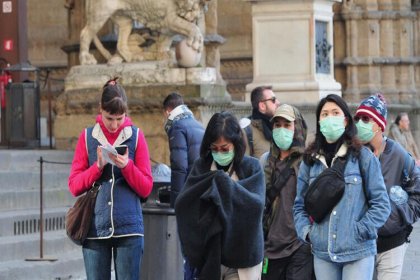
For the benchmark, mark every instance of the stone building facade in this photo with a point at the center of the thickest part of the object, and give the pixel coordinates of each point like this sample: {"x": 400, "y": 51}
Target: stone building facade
{"x": 376, "y": 48}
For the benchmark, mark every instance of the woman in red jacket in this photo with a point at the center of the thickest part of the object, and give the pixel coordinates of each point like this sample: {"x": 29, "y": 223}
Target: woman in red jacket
{"x": 117, "y": 224}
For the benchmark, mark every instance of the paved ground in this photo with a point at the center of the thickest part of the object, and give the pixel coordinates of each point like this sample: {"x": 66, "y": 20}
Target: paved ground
{"x": 411, "y": 270}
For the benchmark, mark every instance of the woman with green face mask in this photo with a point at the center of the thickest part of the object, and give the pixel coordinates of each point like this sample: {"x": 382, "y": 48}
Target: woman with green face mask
{"x": 343, "y": 242}
{"x": 219, "y": 210}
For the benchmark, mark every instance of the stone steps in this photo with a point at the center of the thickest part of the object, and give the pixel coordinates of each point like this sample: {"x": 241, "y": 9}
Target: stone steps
{"x": 30, "y": 199}
{"x": 21, "y": 222}
{"x": 19, "y": 247}
{"x": 27, "y": 180}
{"x": 20, "y": 179}
{"x": 68, "y": 266}
{"x": 19, "y": 217}
{"x": 18, "y": 160}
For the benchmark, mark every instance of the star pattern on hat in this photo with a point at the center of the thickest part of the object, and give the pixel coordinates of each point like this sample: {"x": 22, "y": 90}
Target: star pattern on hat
{"x": 375, "y": 107}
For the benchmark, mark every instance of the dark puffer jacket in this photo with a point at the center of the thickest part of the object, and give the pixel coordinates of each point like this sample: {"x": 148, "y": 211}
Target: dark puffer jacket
{"x": 394, "y": 160}
{"x": 185, "y": 135}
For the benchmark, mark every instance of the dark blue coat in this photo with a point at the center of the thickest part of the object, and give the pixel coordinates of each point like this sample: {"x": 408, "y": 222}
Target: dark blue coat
{"x": 185, "y": 136}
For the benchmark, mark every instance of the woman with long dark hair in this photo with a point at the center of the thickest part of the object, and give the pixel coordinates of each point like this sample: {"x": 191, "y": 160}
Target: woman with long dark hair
{"x": 219, "y": 210}
{"x": 344, "y": 241}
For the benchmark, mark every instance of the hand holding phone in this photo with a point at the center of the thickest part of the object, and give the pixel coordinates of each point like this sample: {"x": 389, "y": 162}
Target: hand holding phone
{"x": 121, "y": 149}
{"x": 115, "y": 155}
{"x": 121, "y": 159}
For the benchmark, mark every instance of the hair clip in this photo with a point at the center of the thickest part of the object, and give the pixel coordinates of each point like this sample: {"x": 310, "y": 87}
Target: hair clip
{"x": 111, "y": 82}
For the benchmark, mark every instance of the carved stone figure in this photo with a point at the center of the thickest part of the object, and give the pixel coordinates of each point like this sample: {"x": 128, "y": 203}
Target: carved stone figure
{"x": 167, "y": 17}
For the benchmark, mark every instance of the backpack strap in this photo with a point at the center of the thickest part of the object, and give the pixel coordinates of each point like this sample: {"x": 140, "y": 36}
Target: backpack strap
{"x": 407, "y": 170}
{"x": 407, "y": 167}
{"x": 248, "y": 132}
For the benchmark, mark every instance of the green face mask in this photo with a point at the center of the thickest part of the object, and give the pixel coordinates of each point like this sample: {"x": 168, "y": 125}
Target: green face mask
{"x": 283, "y": 138}
{"x": 365, "y": 131}
{"x": 332, "y": 128}
{"x": 223, "y": 159}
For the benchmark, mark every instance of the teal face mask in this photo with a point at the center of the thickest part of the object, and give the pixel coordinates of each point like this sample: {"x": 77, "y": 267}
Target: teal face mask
{"x": 223, "y": 159}
{"x": 283, "y": 138}
{"x": 332, "y": 128}
{"x": 365, "y": 131}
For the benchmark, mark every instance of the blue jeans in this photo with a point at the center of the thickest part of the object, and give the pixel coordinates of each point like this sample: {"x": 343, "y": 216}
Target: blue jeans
{"x": 127, "y": 252}
{"x": 359, "y": 269}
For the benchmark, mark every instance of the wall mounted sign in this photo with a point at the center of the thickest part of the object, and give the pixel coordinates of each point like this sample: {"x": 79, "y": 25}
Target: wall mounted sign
{"x": 7, "y": 7}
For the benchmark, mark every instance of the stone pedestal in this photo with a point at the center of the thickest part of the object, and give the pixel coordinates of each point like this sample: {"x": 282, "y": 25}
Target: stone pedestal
{"x": 146, "y": 85}
{"x": 292, "y": 49}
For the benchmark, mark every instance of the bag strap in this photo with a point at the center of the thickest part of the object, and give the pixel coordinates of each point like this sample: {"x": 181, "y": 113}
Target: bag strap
{"x": 248, "y": 132}
{"x": 407, "y": 169}
{"x": 340, "y": 164}
{"x": 95, "y": 189}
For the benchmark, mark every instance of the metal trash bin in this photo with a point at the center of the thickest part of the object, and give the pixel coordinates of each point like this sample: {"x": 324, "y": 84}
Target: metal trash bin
{"x": 23, "y": 110}
{"x": 162, "y": 258}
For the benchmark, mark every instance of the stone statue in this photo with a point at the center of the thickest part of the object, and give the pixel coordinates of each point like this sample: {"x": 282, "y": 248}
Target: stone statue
{"x": 166, "y": 17}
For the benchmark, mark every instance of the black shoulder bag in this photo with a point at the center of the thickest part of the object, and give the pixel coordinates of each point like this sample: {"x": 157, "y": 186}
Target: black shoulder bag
{"x": 325, "y": 191}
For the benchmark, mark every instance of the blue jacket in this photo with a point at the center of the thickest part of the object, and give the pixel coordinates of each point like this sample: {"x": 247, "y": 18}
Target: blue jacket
{"x": 349, "y": 232}
{"x": 185, "y": 135}
{"x": 118, "y": 209}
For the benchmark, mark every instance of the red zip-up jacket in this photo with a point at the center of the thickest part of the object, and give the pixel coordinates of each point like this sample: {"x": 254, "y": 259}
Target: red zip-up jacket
{"x": 138, "y": 174}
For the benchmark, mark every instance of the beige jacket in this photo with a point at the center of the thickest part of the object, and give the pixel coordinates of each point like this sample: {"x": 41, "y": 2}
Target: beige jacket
{"x": 406, "y": 139}
{"x": 261, "y": 145}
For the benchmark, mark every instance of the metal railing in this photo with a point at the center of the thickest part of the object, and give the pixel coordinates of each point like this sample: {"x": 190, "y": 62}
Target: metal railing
{"x": 41, "y": 209}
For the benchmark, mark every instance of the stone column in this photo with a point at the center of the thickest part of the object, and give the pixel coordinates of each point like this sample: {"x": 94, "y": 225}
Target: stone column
{"x": 292, "y": 49}
{"x": 213, "y": 40}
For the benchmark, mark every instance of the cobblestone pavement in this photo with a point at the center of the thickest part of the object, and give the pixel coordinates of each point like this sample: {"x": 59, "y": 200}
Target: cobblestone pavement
{"x": 411, "y": 269}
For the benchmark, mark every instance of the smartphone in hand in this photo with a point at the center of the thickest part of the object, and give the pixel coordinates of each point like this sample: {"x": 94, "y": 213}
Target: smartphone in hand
{"x": 121, "y": 149}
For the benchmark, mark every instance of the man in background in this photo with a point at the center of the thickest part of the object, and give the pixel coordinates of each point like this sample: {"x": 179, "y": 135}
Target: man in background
{"x": 259, "y": 130}
{"x": 400, "y": 132}
{"x": 185, "y": 134}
